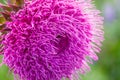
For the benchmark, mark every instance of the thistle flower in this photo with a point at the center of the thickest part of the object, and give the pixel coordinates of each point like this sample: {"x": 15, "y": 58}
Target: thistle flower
{"x": 51, "y": 39}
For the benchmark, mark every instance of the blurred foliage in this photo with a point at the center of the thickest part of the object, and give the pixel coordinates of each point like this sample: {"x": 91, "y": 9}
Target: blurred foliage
{"x": 2, "y": 1}
{"x": 108, "y": 66}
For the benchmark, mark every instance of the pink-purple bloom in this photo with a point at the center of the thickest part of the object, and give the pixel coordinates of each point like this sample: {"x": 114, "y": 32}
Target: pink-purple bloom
{"x": 53, "y": 39}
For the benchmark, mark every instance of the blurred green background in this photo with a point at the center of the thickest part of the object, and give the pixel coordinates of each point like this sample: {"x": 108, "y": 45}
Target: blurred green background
{"x": 108, "y": 66}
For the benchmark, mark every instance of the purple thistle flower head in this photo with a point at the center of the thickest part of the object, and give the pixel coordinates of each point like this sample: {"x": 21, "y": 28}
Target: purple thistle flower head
{"x": 52, "y": 39}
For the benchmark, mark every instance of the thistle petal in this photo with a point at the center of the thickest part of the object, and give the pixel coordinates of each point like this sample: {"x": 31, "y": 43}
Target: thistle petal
{"x": 50, "y": 39}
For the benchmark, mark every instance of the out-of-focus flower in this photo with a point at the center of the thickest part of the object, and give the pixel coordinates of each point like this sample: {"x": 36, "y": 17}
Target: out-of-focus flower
{"x": 109, "y": 13}
{"x": 52, "y": 39}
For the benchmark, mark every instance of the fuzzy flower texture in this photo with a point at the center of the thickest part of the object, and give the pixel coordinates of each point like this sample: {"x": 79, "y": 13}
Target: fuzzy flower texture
{"x": 52, "y": 39}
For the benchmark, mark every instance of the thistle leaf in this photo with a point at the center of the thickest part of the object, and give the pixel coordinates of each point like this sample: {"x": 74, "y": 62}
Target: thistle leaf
{"x": 5, "y": 7}
{"x": 11, "y": 1}
{"x": 6, "y": 15}
{"x": 1, "y": 50}
{"x": 2, "y": 26}
{"x": 2, "y": 20}
{"x": 14, "y": 7}
{"x": 19, "y": 2}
